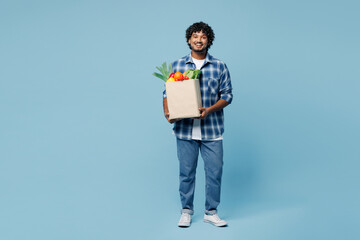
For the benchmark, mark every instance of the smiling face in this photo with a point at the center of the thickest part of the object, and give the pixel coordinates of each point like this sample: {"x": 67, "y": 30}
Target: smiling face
{"x": 198, "y": 42}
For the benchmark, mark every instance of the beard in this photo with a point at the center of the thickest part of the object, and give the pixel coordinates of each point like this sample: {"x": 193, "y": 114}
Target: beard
{"x": 204, "y": 50}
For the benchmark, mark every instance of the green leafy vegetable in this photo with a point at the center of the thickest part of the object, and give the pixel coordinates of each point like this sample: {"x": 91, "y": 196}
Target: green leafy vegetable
{"x": 165, "y": 72}
{"x": 192, "y": 74}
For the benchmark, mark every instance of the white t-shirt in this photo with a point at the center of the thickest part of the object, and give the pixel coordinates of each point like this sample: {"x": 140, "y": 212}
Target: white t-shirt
{"x": 196, "y": 130}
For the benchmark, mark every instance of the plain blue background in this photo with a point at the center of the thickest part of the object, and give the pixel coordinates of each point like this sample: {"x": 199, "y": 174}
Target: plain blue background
{"x": 85, "y": 152}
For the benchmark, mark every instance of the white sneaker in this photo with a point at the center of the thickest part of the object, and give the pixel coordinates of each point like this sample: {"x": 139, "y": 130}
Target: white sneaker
{"x": 215, "y": 220}
{"x": 185, "y": 220}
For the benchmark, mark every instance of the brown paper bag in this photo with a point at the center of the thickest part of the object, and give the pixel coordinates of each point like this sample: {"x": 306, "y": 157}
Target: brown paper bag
{"x": 183, "y": 98}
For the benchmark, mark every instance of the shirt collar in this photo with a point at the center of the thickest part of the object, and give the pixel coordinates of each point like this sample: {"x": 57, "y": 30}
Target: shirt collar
{"x": 208, "y": 58}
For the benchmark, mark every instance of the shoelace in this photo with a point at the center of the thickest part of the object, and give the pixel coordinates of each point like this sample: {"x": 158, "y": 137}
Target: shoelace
{"x": 216, "y": 217}
{"x": 185, "y": 217}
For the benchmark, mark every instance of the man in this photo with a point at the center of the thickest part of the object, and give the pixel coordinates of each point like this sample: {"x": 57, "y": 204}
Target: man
{"x": 203, "y": 134}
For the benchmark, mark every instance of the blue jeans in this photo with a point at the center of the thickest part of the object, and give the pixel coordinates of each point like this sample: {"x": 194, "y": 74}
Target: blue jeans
{"x": 212, "y": 154}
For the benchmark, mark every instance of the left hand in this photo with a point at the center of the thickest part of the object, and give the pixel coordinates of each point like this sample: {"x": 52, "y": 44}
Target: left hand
{"x": 204, "y": 112}
{"x": 216, "y": 107}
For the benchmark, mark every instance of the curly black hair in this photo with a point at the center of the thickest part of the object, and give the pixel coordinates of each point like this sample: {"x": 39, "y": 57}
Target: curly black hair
{"x": 200, "y": 26}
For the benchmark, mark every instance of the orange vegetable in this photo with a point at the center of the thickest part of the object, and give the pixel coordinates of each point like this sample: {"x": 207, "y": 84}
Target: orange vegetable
{"x": 178, "y": 76}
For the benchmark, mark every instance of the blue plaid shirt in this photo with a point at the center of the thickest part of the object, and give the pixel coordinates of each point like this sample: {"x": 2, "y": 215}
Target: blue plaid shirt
{"x": 215, "y": 84}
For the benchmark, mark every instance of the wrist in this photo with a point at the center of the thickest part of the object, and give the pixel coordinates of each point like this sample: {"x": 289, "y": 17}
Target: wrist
{"x": 210, "y": 110}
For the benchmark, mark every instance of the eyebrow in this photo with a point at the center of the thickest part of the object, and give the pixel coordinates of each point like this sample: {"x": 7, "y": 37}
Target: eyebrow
{"x": 203, "y": 35}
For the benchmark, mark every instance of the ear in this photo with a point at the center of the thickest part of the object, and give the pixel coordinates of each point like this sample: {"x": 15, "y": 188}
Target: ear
{"x": 189, "y": 41}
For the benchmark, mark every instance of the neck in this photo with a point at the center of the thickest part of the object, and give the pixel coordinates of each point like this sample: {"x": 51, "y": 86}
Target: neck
{"x": 198, "y": 55}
